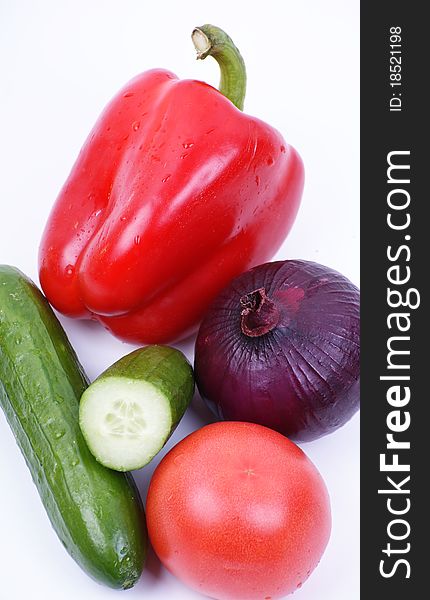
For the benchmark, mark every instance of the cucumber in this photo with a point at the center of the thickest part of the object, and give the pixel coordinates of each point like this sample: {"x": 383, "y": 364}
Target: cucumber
{"x": 130, "y": 411}
{"x": 97, "y": 513}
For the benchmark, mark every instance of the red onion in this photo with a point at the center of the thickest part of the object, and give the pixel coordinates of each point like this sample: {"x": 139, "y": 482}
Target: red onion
{"x": 280, "y": 346}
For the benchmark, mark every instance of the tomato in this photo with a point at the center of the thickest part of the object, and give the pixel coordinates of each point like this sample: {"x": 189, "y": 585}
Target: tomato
{"x": 237, "y": 511}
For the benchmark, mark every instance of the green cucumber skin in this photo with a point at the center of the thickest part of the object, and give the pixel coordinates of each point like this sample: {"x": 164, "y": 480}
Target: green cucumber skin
{"x": 165, "y": 368}
{"x": 97, "y": 513}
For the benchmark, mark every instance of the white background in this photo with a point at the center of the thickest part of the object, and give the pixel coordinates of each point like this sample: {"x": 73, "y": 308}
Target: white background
{"x": 60, "y": 62}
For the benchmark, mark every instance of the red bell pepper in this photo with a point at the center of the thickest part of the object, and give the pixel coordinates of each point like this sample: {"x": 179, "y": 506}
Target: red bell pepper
{"x": 174, "y": 193}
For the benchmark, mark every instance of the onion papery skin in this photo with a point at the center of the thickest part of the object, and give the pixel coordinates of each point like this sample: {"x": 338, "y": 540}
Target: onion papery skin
{"x": 280, "y": 346}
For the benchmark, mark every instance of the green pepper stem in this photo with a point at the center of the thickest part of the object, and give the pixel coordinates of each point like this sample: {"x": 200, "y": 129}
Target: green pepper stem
{"x": 212, "y": 41}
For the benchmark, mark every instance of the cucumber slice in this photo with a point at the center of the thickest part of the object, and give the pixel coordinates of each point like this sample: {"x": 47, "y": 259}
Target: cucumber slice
{"x": 131, "y": 410}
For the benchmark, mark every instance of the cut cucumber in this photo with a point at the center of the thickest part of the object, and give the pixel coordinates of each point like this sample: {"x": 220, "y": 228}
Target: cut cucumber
{"x": 131, "y": 410}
